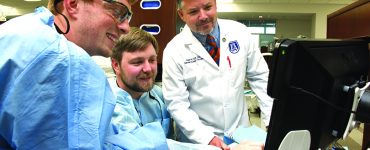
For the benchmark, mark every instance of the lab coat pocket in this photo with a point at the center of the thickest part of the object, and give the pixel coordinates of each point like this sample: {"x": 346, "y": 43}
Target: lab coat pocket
{"x": 189, "y": 78}
{"x": 236, "y": 71}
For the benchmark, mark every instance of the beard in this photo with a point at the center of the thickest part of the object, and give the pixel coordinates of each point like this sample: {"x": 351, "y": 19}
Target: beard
{"x": 138, "y": 85}
{"x": 204, "y": 31}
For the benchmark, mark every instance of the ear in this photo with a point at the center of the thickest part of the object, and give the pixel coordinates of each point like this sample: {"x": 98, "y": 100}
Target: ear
{"x": 71, "y": 7}
{"x": 115, "y": 65}
{"x": 181, "y": 14}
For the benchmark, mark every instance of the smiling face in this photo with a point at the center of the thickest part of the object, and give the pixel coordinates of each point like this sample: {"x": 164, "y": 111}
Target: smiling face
{"x": 134, "y": 61}
{"x": 199, "y": 15}
{"x": 137, "y": 70}
{"x": 95, "y": 28}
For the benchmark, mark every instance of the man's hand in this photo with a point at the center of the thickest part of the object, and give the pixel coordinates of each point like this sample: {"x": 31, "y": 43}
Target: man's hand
{"x": 218, "y": 143}
{"x": 249, "y": 145}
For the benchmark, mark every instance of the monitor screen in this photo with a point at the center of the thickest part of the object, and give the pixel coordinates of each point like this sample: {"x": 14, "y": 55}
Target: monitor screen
{"x": 307, "y": 80}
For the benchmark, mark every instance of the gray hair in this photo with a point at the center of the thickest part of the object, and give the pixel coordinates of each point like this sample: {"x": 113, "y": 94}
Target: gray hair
{"x": 179, "y": 4}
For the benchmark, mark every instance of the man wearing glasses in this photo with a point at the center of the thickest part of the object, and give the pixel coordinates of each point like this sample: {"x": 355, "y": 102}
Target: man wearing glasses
{"x": 140, "y": 107}
{"x": 52, "y": 94}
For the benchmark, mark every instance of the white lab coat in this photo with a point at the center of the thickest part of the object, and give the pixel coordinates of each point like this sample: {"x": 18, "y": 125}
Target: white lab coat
{"x": 206, "y": 99}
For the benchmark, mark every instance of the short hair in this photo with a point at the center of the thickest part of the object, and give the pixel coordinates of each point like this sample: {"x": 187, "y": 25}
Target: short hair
{"x": 136, "y": 40}
{"x": 179, "y": 4}
{"x": 52, "y": 3}
{"x": 53, "y": 8}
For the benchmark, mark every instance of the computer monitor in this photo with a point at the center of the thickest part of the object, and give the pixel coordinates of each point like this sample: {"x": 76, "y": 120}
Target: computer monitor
{"x": 312, "y": 83}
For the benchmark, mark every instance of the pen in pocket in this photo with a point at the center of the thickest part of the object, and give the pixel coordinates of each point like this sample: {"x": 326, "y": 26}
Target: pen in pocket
{"x": 228, "y": 59}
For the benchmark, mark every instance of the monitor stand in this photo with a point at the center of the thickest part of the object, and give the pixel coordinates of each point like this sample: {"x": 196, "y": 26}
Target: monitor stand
{"x": 297, "y": 140}
{"x": 356, "y": 99}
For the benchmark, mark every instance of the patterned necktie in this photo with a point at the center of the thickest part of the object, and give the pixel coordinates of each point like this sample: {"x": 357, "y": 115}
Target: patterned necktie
{"x": 214, "y": 51}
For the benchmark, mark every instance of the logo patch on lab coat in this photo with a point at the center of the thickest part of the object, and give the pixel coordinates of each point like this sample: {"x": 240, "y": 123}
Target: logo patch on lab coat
{"x": 234, "y": 47}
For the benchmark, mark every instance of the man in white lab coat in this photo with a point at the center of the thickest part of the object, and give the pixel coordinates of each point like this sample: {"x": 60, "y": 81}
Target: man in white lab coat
{"x": 203, "y": 94}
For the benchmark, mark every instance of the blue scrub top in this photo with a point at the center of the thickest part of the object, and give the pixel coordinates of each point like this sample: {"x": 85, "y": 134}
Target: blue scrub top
{"x": 52, "y": 94}
{"x": 150, "y": 107}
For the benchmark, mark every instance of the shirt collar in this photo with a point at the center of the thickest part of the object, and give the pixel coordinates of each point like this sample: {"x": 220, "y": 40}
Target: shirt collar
{"x": 215, "y": 33}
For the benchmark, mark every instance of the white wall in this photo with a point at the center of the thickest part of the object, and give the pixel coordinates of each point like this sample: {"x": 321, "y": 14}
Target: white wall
{"x": 319, "y": 12}
{"x": 293, "y": 28}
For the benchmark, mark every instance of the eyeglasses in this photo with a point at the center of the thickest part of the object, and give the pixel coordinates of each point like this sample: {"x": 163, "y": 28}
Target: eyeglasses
{"x": 118, "y": 10}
